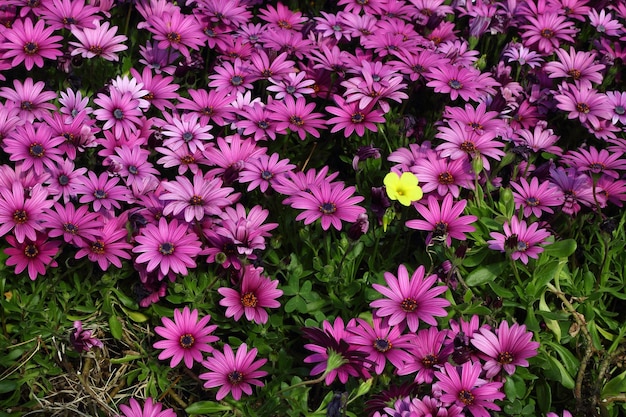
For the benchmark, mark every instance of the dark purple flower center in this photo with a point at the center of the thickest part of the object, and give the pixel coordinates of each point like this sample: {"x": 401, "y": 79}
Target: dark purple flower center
{"x": 328, "y": 208}
{"x": 188, "y": 159}
{"x": 64, "y": 179}
{"x": 133, "y": 169}
{"x": 619, "y": 110}
{"x": 547, "y": 33}
{"x": 382, "y": 345}
{"x": 31, "y": 48}
{"x": 337, "y": 28}
{"x": 582, "y": 108}
{"x": 446, "y": 178}
{"x": 408, "y": 305}
{"x": 186, "y": 340}
{"x": 475, "y": 125}
{"x": 118, "y": 114}
{"x": 173, "y": 37}
{"x": 505, "y": 357}
{"x": 36, "y": 150}
{"x": 187, "y": 136}
{"x": 429, "y": 361}
{"x": 31, "y": 251}
{"x": 455, "y": 84}
{"x": 70, "y": 228}
{"x": 97, "y": 247}
{"x": 69, "y": 20}
{"x": 236, "y": 80}
{"x": 96, "y": 49}
{"x": 466, "y": 397}
{"x": 468, "y": 147}
{"x": 266, "y": 73}
{"x": 574, "y": 73}
{"x": 522, "y": 246}
{"x": 266, "y": 175}
{"x": 532, "y": 201}
{"x": 207, "y": 111}
{"x": 296, "y": 120}
{"x": 263, "y": 124}
{"x": 196, "y": 200}
{"x": 362, "y": 2}
{"x": 68, "y": 137}
{"x": 100, "y": 194}
{"x": 20, "y": 216}
{"x": 26, "y": 105}
{"x": 596, "y": 167}
{"x": 440, "y": 229}
{"x": 357, "y": 117}
{"x": 290, "y": 89}
{"x": 166, "y": 248}
{"x": 249, "y": 300}
{"x": 235, "y": 377}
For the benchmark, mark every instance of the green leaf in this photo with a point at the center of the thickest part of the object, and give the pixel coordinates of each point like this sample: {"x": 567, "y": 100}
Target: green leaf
{"x": 136, "y": 316}
{"x": 7, "y": 386}
{"x": 543, "y": 275}
{"x": 544, "y": 396}
{"x": 561, "y": 249}
{"x": 568, "y": 359}
{"x": 562, "y": 375}
{"x": 615, "y": 386}
{"x": 116, "y": 327}
{"x": 204, "y": 407}
{"x": 485, "y": 274}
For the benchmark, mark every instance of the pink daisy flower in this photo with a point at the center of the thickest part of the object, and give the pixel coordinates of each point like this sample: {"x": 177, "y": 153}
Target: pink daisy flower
{"x": 177, "y": 31}
{"x": 519, "y": 240}
{"x": 34, "y": 149}
{"x": 168, "y": 246}
{"x": 185, "y": 337}
{"x": 261, "y": 172}
{"x": 29, "y": 98}
{"x": 577, "y": 188}
{"x": 428, "y": 353}
{"x": 205, "y": 196}
{"x": 350, "y": 118}
{"x": 443, "y": 175}
{"x": 298, "y": 116}
{"x": 132, "y": 165}
{"x": 161, "y": 89}
{"x": 103, "y": 191}
{"x": 109, "y": 246}
{"x": 330, "y": 202}
{"x": 579, "y": 67}
{"x": 185, "y": 130}
{"x": 212, "y": 105}
{"x": 75, "y": 225}
{"x": 584, "y": 103}
{"x": 535, "y": 198}
{"x": 547, "y": 30}
{"x": 463, "y": 387}
{"x": 282, "y": 18}
{"x": 443, "y": 222}
{"x": 381, "y": 342}
{"x": 65, "y": 14}
{"x": 617, "y": 99}
{"x": 256, "y": 120}
{"x": 257, "y": 293}
{"x": 410, "y": 300}
{"x": 456, "y": 81}
{"x": 64, "y": 180}
{"x": 30, "y": 44}
{"x": 99, "y": 41}
{"x": 293, "y": 84}
{"x": 596, "y": 162}
{"x": 33, "y": 255}
{"x": 83, "y": 340}
{"x": 459, "y": 143}
{"x": 507, "y": 348}
{"x": 233, "y": 372}
{"x": 21, "y": 213}
{"x": 232, "y": 78}
{"x": 119, "y": 111}
{"x": 181, "y": 158}
{"x": 150, "y": 408}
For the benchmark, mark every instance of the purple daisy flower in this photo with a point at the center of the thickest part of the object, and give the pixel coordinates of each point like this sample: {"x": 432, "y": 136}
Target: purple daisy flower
{"x": 580, "y": 67}
{"x": 444, "y": 175}
{"x": 150, "y": 408}
{"x": 298, "y": 116}
{"x": 34, "y": 148}
{"x": 261, "y": 172}
{"x": 443, "y": 222}
{"x": 520, "y": 240}
{"x": 596, "y": 162}
{"x": 507, "y": 348}
{"x": 257, "y": 293}
{"x": 168, "y": 246}
{"x": 463, "y": 387}
{"x": 330, "y": 202}
{"x": 83, "y": 340}
{"x": 29, "y": 98}
{"x": 460, "y": 143}
{"x": 428, "y": 353}
{"x": 109, "y": 246}
{"x": 584, "y": 103}
{"x": 22, "y": 213}
{"x": 350, "y": 118}
{"x": 98, "y": 41}
{"x": 233, "y": 372}
{"x": 103, "y": 191}
{"x": 177, "y": 31}
{"x": 28, "y": 43}
{"x": 119, "y": 111}
{"x": 33, "y": 255}
{"x": 536, "y": 198}
{"x": 185, "y": 130}
{"x": 75, "y": 225}
{"x": 185, "y": 337}
{"x": 410, "y": 300}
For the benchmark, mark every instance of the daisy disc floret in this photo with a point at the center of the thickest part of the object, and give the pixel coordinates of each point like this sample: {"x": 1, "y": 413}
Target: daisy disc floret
{"x": 185, "y": 338}
{"x": 410, "y": 300}
{"x": 403, "y": 187}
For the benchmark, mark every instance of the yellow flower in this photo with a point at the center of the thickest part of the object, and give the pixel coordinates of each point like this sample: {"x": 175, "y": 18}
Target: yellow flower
{"x": 403, "y": 188}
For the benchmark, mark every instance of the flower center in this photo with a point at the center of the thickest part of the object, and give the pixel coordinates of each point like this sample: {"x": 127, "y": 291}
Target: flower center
{"x": 468, "y": 147}
{"x": 596, "y": 167}
{"x": 100, "y": 194}
{"x": 296, "y": 120}
{"x": 522, "y": 246}
{"x": 263, "y": 124}
{"x": 249, "y": 300}
{"x": 173, "y": 37}
{"x": 186, "y": 340}
{"x": 133, "y": 169}
{"x": 547, "y": 33}
{"x": 283, "y": 24}
{"x": 70, "y": 228}
{"x": 466, "y": 397}
{"x": 31, "y": 48}
{"x": 188, "y": 159}
{"x": 475, "y": 125}
{"x": 582, "y": 108}
{"x": 574, "y": 73}
{"x": 166, "y": 248}
{"x": 68, "y": 137}
{"x": 97, "y": 247}
{"x": 96, "y": 49}
{"x": 382, "y": 345}
{"x": 455, "y": 84}
{"x": 440, "y": 229}
{"x": 429, "y": 361}
{"x": 20, "y": 216}
{"x": 357, "y": 117}
{"x": 532, "y": 201}
{"x": 195, "y": 200}
{"x": 505, "y": 357}
{"x": 31, "y": 251}
{"x": 446, "y": 178}
{"x": 187, "y": 136}
{"x": 37, "y": 150}
{"x": 26, "y": 105}
{"x": 235, "y": 377}
{"x": 118, "y": 114}
{"x": 207, "y": 111}
{"x": 236, "y": 80}
{"x": 619, "y": 110}
{"x": 69, "y": 21}
{"x": 328, "y": 208}
{"x": 266, "y": 175}
{"x": 290, "y": 89}
{"x": 408, "y": 305}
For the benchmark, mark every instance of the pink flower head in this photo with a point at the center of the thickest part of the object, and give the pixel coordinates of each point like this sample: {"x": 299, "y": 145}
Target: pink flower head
{"x": 330, "y": 202}
{"x": 410, "y": 300}
{"x": 257, "y": 293}
{"x": 596, "y": 162}
{"x": 83, "y": 340}
{"x": 460, "y": 143}
{"x": 168, "y": 246}
{"x": 261, "y": 172}
{"x": 298, "y": 116}
{"x": 150, "y": 408}
{"x": 233, "y": 372}
{"x": 443, "y": 222}
{"x": 119, "y": 111}
{"x": 463, "y": 387}
{"x": 30, "y": 43}
{"x": 185, "y": 337}
{"x": 580, "y": 67}
{"x": 29, "y": 98}
{"x": 507, "y": 348}
{"x": 443, "y": 175}
{"x": 584, "y": 103}
{"x": 177, "y": 31}
{"x": 428, "y": 354}
{"x": 20, "y": 212}
{"x": 98, "y": 41}
{"x": 33, "y": 255}
{"x": 350, "y": 117}
{"x": 547, "y": 30}
{"x": 520, "y": 240}
{"x": 33, "y": 146}
{"x": 65, "y": 14}
{"x": 535, "y": 198}
{"x": 109, "y": 245}
{"x": 75, "y": 225}
{"x": 103, "y": 191}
